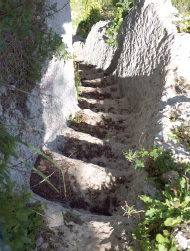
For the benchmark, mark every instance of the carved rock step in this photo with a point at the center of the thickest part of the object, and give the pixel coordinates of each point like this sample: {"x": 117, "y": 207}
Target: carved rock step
{"x": 88, "y": 187}
{"x": 116, "y": 106}
{"x": 90, "y": 76}
{"x": 103, "y": 125}
{"x": 98, "y": 82}
{"x": 90, "y": 232}
{"x": 100, "y": 93}
{"x": 88, "y": 71}
{"x": 82, "y": 146}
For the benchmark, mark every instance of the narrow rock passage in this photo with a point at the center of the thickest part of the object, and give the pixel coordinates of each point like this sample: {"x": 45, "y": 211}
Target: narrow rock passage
{"x": 96, "y": 172}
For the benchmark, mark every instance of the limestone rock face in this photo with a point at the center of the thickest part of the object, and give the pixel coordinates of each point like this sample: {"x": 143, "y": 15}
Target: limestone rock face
{"x": 96, "y": 50}
{"x": 78, "y": 51}
{"x": 150, "y": 66}
{"x": 46, "y": 112}
{"x": 169, "y": 177}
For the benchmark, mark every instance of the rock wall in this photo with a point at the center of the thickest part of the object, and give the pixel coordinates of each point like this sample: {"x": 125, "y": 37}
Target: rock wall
{"x": 150, "y": 66}
{"x": 48, "y": 110}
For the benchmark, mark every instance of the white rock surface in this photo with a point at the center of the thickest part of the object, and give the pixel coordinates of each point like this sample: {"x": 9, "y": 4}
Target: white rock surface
{"x": 96, "y": 50}
{"x": 150, "y": 65}
{"x": 56, "y": 100}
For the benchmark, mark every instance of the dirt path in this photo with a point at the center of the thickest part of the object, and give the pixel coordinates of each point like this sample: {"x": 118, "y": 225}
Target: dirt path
{"x": 96, "y": 173}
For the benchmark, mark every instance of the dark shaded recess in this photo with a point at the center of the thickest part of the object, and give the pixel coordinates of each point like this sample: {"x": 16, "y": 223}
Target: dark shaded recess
{"x": 96, "y": 95}
{"x": 81, "y": 149}
{"x": 72, "y": 199}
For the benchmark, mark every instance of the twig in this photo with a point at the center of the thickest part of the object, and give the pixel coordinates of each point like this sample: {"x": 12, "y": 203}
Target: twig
{"x": 61, "y": 8}
{"x": 43, "y": 180}
{"x": 14, "y": 88}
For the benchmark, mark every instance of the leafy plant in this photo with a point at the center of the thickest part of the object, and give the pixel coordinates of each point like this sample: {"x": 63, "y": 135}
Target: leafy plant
{"x": 183, "y": 6}
{"x": 157, "y": 161}
{"x": 71, "y": 118}
{"x": 78, "y": 119}
{"x": 182, "y": 135}
{"x": 126, "y": 5}
{"x": 161, "y": 216}
{"x": 62, "y": 54}
{"x": 85, "y": 25}
{"x": 130, "y": 156}
{"x": 5, "y": 153}
{"x": 25, "y": 43}
{"x": 78, "y": 83}
{"x": 21, "y": 220}
{"x": 113, "y": 30}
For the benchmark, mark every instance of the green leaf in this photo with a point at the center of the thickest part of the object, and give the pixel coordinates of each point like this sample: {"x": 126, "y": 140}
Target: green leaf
{"x": 146, "y": 199}
{"x": 40, "y": 173}
{"x": 187, "y": 198}
{"x": 139, "y": 164}
{"x": 161, "y": 239}
{"x": 150, "y": 212}
{"x": 182, "y": 183}
{"x": 172, "y": 222}
{"x": 161, "y": 247}
{"x": 166, "y": 232}
{"x": 173, "y": 248}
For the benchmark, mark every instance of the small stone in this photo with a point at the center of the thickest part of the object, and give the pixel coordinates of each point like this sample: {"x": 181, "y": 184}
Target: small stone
{"x": 39, "y": 241}
{"x": 44, "y": 245}
{"x": 169, "y": 177}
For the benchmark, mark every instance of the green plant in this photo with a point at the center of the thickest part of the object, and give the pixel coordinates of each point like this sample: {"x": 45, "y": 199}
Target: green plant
{"x": 20, "y": 219}
{"x": 71, "y": 118}
{"x": 25, "y": 43}
{"x": 130, "y": 156}
{"x": 162, "y": 216}
{"x": 85, "y": 25}
{"x": 182, "y": 135}
{"x": 78, "y": 83}
{"x": 78, "y": 119}
{"x": 174, "y": 116}
{"x": 62, "y": 54}
{"x": 157, "y": 160}
{"x": 126, "y": 5}
{"x": 183, "y": 6}
{"x": 70, "y": 216}
{"x": 113, "y": 30}
{"x": 7, "y": 142}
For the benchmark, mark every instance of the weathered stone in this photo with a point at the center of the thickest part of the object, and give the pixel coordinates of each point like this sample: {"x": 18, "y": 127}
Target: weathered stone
{"x": 97, "y": 50}
{"x": 44, "y": 246}
{"x": 169, "y": 177}
{"x": 39, "y": 241}
{"x": 78, "y": 51}
{"x": 47, "y": 113}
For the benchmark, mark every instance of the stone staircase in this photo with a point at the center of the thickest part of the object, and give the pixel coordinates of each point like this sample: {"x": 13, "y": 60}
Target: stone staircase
{"x": 97, "y": 175}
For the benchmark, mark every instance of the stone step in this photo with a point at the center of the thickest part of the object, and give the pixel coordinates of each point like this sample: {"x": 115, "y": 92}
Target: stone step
{"x": 89, "y": 187}
{"x": 90, "y": 76}
{"x": 85, "y": 67}
{"x": 85, "y": 231}
{"x": 82, "y": 146}
{"x": 98, "y": 82}
{"x": 87, "y": 72}
{"x": 103, "y": 125}
{"x": 100, "y": 93}
{"x": 116, "y": 106}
